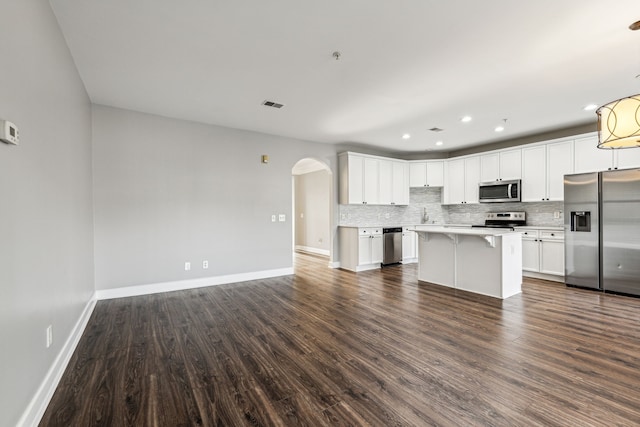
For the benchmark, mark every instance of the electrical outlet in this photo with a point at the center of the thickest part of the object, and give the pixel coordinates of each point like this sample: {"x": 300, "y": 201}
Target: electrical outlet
{"x": 273, "y": 218}
{"x": 205, "y": 264}
{"x": 49, "y": 333}
{"x": 387, "y": 216}
{"x": 343, "y": 216}
{"x": 556, "y": 214}
{"x": 187, "y": 266}
{"x": 282, "y": 217}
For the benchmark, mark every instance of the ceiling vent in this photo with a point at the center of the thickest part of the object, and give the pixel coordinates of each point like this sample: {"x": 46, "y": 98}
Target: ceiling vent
{"x": 436, "y": 129}
{"x": 272, "y": 104}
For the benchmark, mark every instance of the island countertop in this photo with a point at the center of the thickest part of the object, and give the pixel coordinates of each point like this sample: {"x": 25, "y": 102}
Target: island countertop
{"x": 487, "y": 261}
{"x": 479, "y": 231}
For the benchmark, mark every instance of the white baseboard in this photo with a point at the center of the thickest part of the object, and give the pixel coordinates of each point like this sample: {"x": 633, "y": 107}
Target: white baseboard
{"x": 38, "y": 405}
{"x": 311, "y": 250}
{"x": 334, "y": 264}
{"x": 544, "y": 276}
{"x": 180, "y": 285}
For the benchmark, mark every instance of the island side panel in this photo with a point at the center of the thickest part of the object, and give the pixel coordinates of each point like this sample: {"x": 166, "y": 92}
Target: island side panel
{"x": 479, "y": 266}
{"x": 436, "y": 258}
{"x": 511, "y": 264}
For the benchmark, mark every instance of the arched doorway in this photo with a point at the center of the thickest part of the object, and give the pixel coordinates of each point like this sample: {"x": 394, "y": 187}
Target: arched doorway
{"x": 312, "y": 207}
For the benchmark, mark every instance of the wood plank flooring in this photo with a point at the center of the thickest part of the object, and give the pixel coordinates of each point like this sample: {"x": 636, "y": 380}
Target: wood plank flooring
{"x": 330, "y": 347}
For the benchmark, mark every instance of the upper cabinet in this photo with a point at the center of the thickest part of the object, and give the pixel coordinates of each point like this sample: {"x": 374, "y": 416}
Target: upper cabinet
{"x": 543, "y": 171}
{"x": 426, "y": 173}
{"x": 461, "y": 180}
{"x": 501, "y": 165}
{"x": 372, "y": 180}
{"x": 590, "y": 158}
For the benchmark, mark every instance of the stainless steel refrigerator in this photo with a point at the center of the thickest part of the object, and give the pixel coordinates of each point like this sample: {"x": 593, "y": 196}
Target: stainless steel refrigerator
{"x": 602, "y": 230}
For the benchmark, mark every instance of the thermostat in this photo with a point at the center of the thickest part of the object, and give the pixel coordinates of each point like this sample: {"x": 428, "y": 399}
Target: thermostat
{"x": 9, "y": 132}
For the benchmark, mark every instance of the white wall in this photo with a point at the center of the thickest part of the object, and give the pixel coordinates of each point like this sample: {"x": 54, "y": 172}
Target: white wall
{"x": 168, "y": 191}
{"x": 46, "y": 246}
{"x": 312, "y": 201}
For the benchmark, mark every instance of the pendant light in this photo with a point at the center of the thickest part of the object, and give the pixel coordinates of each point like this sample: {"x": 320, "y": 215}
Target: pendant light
{"x": 619, "y": 121}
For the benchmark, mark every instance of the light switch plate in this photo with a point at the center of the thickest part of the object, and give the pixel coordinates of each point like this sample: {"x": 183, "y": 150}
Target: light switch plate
{"x": 273, "y": 218}
{"x": 282, "y": 218}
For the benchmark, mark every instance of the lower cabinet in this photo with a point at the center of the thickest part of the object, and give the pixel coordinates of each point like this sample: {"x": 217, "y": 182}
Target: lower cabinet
{"x": 360, "y": 248}
{"x": 543, "y": 253}
{"x": 409, "y": 246}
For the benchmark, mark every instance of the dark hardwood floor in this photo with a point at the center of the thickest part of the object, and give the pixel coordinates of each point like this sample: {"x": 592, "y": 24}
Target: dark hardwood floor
{"x": 329, "y": 347}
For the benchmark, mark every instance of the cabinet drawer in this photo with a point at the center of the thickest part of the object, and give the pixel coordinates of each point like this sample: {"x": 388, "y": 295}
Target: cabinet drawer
{"x": 529, "y": 234}
{"x": 369, "y": 231}
{"x": 551, "y": 235}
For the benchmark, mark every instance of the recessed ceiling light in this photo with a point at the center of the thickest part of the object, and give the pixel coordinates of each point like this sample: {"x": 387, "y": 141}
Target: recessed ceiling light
{"x": 590, "y": 107}
{"x": 439, "y": 142}
{"x": 465, "y": 119}
{"x": 499, "y": 128}
{"x": 406, "y": 136}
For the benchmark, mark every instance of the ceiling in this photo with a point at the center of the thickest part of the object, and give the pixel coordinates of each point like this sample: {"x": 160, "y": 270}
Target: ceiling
{"x": 405, "y": 66}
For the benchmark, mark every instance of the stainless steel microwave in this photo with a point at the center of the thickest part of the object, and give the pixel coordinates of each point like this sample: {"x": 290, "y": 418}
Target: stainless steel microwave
{"x": 499, "y": 191}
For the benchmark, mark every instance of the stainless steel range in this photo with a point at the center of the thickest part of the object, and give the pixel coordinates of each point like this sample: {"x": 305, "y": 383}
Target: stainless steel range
{"x": 504, "y": 220}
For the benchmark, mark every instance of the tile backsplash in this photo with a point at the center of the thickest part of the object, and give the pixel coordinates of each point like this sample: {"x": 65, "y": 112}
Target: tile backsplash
{"x": 429, "y": 199}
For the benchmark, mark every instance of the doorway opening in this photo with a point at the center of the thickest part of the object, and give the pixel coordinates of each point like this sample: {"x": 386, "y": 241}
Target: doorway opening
{"x": 312, "y": 208}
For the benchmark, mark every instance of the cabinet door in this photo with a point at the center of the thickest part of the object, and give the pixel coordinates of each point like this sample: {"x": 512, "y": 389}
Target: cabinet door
{"x": 400, "y": 190}
{"x": 355, "y": 179}
{"x": 530, "y": 255}
{"x": 408, "y": 244}
{"x": 511, "y": 164}
{"x": 589, "y": 158}
{"x": 364, "y": 250}
{"x": 454, "y": 187}
{"x": 418, "y": 174}
{"x": 627, "y": 158}
{"x": 376, "y": 249}
{"x": 370, "y": 181}
{"x": 471, "y": 179}
{"x": 534, "y": 179}
{"x": 552, "y": 257}
{"x": 435, "y": 173}
{"x": 385, "y": 182}
{"x": 490, "y": 167}
{"x": 559, "y": 164}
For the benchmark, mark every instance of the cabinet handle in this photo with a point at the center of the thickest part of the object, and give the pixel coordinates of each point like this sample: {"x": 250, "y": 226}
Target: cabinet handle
{"x": 552, "y": 234}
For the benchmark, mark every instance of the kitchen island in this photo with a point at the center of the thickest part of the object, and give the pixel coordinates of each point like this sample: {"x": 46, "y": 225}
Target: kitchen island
{"x": 481, "y": 260}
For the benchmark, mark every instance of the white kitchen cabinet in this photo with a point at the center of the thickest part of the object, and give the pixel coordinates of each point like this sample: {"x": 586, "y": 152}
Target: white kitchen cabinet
{"x": 627, "y": 158}
{"x": 552, "y": 252}
{"x": 543, "y": 253}
{"x": 559, "y": 164}
{"x": 543, "y": 171}
{"x": 400, "y": 185}
{"x": 590, "y": 158}
{"x": 385, "y": 186}
{"x": 428, "y": 173}
{"x": 361, "y": 248}
{"x": 358, "y": 179}
{"x": 530, "y": 251}
{"x": 461, "y": 180}
{"x": 409, "y": 246}
{"x": 501, "y": 165}
{"x": 372, "y": 180}
{"x": 534, "y": 174}
{"x": 394, "y": 189}
{"x": 435, "y": 173}
{"x": 370, "y": 249}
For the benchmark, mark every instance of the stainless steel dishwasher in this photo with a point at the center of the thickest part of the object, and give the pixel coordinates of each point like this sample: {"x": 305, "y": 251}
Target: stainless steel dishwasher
{"x": 392, "y": 245}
